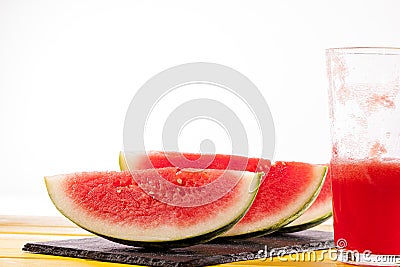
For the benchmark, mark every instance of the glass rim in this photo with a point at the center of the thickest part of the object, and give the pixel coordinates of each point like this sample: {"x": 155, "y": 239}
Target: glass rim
{"x": 365, "y": 50}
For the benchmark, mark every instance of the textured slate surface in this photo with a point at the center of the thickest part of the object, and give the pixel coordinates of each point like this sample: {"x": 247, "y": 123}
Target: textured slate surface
{"x": 215, "y": 252}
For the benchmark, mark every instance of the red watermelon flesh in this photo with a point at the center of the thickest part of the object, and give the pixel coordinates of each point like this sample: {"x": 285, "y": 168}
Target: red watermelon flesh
{"x": 318, "y": 212}
{"x": 112, "y": 205}
{"x": 161, "y": 159}
{"x": 286, "y": 192}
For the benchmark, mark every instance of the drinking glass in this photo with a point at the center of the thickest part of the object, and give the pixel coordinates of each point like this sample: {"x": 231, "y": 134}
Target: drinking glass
{"x": 364, "y": 100}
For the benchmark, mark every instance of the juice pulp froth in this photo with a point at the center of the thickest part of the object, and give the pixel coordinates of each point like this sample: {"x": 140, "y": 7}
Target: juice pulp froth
{"x": 366, "y": 204}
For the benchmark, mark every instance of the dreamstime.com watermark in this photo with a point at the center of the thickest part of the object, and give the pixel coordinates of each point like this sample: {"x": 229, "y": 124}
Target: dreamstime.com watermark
{"x": 337, "y": 253}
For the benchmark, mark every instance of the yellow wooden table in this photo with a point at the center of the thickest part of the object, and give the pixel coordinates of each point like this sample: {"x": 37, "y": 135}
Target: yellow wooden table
{"x": 15, "y": 231}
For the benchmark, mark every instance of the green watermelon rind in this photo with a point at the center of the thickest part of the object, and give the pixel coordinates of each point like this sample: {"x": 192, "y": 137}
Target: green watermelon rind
{"x": 320, "y": 213}
{"x": 305, "y": 226}
{"x": 255, "y": 184}
{"x": 309, "y": 202}
{"x": 279, "y": 225}
{"x": 175, "y": 243}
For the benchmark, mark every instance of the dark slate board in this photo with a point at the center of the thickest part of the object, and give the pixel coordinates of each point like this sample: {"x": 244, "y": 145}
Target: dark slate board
{"x": 212, "y": 253}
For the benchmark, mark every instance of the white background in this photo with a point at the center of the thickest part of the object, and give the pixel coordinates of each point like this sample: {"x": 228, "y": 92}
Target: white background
{"x": 69, "y": 69}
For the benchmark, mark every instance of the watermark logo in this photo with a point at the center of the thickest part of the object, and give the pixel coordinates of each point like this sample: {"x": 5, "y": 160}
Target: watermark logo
{"x": 363, "y": 257}
{"x": 331, "y": 252}
{"x": 341, "y": 243}
{"x": 199, "y": 107}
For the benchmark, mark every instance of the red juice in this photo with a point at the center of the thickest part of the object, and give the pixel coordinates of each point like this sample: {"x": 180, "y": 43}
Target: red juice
{"x": 366, "y": 205}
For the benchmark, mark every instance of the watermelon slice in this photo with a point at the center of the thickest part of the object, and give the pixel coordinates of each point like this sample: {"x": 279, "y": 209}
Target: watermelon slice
{"x": 158, "y": 159}
{"x": 317, "y": 213}
{"x": 112, "y": 205}
{"x": 287, "y": 191}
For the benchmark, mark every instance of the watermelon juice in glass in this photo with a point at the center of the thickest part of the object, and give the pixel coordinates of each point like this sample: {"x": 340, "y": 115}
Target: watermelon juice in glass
{"x": 364, "y": 98}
